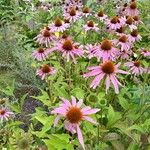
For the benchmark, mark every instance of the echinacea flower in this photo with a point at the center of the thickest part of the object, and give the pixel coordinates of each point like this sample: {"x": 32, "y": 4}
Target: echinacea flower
{"x": 72, "y": 15}
{"x": 105, "y": 70}
{"x": 5, "y": 113}
{"x": 40, "y": 54}
{"x": 115, "y": 23}
{"x": 145, "y": 53}
{"x": 129, "y": 22}
{"x": 70, "y": 49}
{"x": 86, "y": 11}
{"x": 101, "y": 16}
{"x": 123, "y": 43}
{"x": 106, "y": 51}
{"x": 45, "y": 37}
{"x": 74, "y": 115}
{"x": 134, "y": 36}
{"x": 90, "y": 26}
{"x": 45, "y": 70}
{"x": 58, "y": 25}
{"x": 135, "y": 67}
{"x": 131, "y": 10}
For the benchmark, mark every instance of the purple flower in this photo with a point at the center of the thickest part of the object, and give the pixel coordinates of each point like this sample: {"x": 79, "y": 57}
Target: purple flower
{"x": 45, "y": 70}
{"x": 108, "y": 70}
{"x": 5, "y": 114}
{"x": 74, "y": 114}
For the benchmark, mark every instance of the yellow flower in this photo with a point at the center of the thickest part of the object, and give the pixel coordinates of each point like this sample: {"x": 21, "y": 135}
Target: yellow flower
{"x": 57, "y": 34}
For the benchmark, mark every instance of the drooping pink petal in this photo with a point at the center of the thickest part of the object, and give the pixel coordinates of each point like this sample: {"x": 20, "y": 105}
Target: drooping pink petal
{"x": 56, "y": 120}
{"x": 115, "y": 84}
{"x": 97, "y": 80}
{"x": 90, "y": 119}
{"x": 80, "y": 137}
{"x": 123, "y": 72}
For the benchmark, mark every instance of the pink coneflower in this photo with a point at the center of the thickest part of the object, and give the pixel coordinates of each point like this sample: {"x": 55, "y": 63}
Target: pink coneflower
{"x": 115, "y": 23}
{"x": 74, "y": 115}
{"x": 129, "y": 22}
{"x": 73, "y": 15}
{"x": 145, "y": 53}
{"x": 5, "y": 114}
{"x": 101, "y": 16}
{"x": 70, "y": 49}
{"x": 40, "y": 54}
{"x": 86, "y": 11}
{"x": 134, "y": 36}
{"x": 123, "y": 43}
{"x": 131, "y": 10}
{"x": 58, "y": 25}
{"x": 45, "y": 37}
{"x": 106, "y": 51}
{"x": 45, "y": 70}
{"x": 108, "y": 70}
{"x": 135, "y": 67}
{"x": 90, "y": 26}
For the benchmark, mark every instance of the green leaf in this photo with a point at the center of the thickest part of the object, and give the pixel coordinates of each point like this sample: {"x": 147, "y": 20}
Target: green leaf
{"x": 59, "y": 142}
{"x": 112, "y": 116}
{"x": 123, "y": 102}
{"x": 23, "y": 99}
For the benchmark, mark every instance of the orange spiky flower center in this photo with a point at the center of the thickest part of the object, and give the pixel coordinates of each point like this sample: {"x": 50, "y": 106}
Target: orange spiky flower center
{"x": 134, "y": 33}
{"x": 41, "y": 50}
{"x": 133, "y": 5}
{"x": 72, "y": 11}
{"x": 58, "y": 22}
{"x": 106, "y": 45}
{"x": 136, "y": 18}
{"x": 66, "y": 21}
{"x": 137, "y": 63}
{"x": 108, "y": 67}
{"x": 46, "y": 33}
{"x": 120, "y": 30}
{"x": 74, "y": 115}
{"x": 123, "y": 39}
{"x": 115, "y": 20}
{"x": 90, "y": 24}
{"x": 100, "y": 13}
{"x": 46, "y": 68}
{"x": 67, "y": 45}
{"x": 2, "y": 111}
{"x": 129, "y": 20}
{"x": 86, "y": 10}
